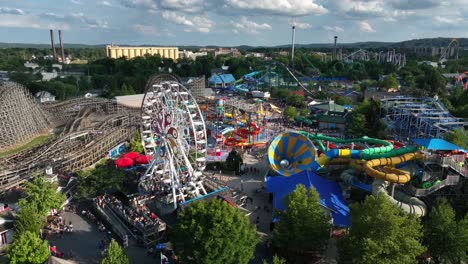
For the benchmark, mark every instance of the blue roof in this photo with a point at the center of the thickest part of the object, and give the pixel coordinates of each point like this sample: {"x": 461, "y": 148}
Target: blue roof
{"x": 221, "y": 78}
{"x": 436, "y": 144}
{"x": 329, "y": 191}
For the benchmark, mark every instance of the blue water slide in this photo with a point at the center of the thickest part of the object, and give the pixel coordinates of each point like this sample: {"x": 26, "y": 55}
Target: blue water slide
{"x": 240, "y": 87}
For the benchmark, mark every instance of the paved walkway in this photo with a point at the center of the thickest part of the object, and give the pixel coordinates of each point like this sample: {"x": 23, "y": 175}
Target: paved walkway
{"x": 84, "y": 242}
{"x": 250, "y": 184}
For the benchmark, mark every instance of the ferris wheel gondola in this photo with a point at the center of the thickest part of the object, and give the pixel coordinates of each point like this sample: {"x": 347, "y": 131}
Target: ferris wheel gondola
{"x": 173, "y": 133}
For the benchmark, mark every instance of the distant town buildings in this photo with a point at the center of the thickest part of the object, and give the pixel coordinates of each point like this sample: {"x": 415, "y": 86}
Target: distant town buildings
{"x": 132, "y": 52}
{"x": 434, "y": 51}
{"x": 255, "y": 54}
{"x": 227, "y": 51}
{"x": 192, "y": 55}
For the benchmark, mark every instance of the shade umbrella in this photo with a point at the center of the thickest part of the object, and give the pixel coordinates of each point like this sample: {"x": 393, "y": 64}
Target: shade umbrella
{"x": 124, "y": 162}
{"x": 131, "y": 155}
{"x": 143, "y": 159}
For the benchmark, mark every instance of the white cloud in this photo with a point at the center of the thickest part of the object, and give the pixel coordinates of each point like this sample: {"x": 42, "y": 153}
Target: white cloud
{"x": 146, "y": 30}
{"x": 299, "y": 25}
{"x": 189, "y": 6}
{"x": 89, "y": 22}
{"x": 439, "y": 20}
{"x": 14, "y": 21}
{"x": 366, "y": 8}
{"x": 364, "y": 26}
{"x": 74, "y": 18}
{"x": 11, "y": 11}
{"x": 143, "y": 4}
{"x": 104, "y": 3}
{"x": 335, "y": 29}
{"x": 175, "y": 18}
{"x": 245, "y": 25}
{"x": 196, "y": 23}
{"x": 76, "y": 2}
{"x": 276, "y": 7}
{"x": 414, "y": 4}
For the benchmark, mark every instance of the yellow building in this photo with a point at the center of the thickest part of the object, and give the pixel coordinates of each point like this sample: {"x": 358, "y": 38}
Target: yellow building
{"x": 131, "y": 52}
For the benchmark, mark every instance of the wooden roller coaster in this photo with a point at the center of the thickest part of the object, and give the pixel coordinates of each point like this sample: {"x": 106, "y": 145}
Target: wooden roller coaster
{"x": 90, "y": 127}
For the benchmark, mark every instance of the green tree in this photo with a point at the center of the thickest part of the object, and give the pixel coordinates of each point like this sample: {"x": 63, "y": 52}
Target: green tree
{"x": 390, "y": 82}
{"x": 380, "y": 233}
{"x": 295, "y": 100}
{"x": 115, "y": 255}
{"x": 41, "y": 196}
{"x": 233, "y": 161}
{"x": 458, "y": 137}
{"x": 96, "y": 182}
{"x": 371, "y": 110}
{"x": 214, "y": 232}
{"x": 276, "y": 260}
{"x": 303, "y": 226}
{"x": 305, "y": 112}
{"x": 28, "y": 219}
{"x": 358, "y": 125}
{"x": 290, "y": 112}
{"x": 28, "y": 248}
{"x": 343, "y": 100}
{"x": 135, "y": 143}
{"x": 446, "y": 239}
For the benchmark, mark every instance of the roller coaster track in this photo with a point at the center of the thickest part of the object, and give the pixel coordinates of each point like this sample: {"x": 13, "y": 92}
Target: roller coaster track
{"x": 67, "y": 154}
{"x": 446, "y": 52}
{"x": 76, "y": 148}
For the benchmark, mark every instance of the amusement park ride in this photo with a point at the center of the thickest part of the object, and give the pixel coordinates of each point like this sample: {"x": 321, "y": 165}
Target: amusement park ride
{"x": 239, "y": 128}
{"x": 293, "y": 153}
{"x": 173, "y": 132}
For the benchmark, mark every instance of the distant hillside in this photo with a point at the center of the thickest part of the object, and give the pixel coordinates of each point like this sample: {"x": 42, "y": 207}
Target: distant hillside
{"x": 427, "y": 42}
{"x": 434, "y": 42}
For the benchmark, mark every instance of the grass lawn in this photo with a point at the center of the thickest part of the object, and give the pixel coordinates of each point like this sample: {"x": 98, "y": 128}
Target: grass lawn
{"x": 35, "y": 142}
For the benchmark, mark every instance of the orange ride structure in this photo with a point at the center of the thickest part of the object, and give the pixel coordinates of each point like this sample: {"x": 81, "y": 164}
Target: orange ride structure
{"x": 238, "y": 128}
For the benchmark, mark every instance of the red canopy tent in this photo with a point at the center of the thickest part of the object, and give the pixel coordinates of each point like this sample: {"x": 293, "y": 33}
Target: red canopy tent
{"x": 131, "y": 155}
{"x": 124, "y": 162}
{"x": 143, "y": 159}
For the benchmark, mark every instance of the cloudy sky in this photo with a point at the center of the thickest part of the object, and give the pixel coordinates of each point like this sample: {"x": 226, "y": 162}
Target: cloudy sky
{"x": 230, "y": 22}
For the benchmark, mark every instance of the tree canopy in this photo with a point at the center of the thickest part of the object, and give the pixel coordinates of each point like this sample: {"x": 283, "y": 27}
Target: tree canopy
{"x": 99, "y": 180}
{"x": 445, "y": 237}
{"x": 41, "y": 196}
{"x": 303, "y": 226}
{"x": 290, "y": 112}
{"x": 233, "y": 161}
{"x": 214, "y": 232}
{"x": 374, "y": 126}
{"x": 380, "y": 233}
{"x": 28, "y": 219}
{"x": 135, "y": 143}
{"x": 28, "y": 248}
{"x": 458, "y": 137}
{"x": 390, "y": 81}
{"x": 114, "y": 254}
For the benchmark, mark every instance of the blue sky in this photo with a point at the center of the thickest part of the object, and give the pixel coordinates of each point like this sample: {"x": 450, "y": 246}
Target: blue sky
{"x": 230, "y": 22}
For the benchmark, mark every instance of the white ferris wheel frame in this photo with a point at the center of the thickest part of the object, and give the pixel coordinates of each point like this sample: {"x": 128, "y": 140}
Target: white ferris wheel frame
{"x": 173, "y": 133}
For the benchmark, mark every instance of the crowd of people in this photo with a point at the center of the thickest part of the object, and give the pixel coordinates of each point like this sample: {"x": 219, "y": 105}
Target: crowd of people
{"x": 56, "y": 224}
{"x": 136, "y": 213}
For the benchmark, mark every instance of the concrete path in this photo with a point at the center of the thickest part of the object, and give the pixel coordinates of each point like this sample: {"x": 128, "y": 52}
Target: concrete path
{"x": 84, "y": 242}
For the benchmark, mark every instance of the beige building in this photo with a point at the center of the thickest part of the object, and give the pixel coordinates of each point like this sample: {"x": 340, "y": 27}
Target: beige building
{"x": 131, "y": 52}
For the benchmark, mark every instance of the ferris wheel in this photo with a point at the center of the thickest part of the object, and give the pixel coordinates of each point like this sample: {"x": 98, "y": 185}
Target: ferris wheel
{"x": 173, "y": 133}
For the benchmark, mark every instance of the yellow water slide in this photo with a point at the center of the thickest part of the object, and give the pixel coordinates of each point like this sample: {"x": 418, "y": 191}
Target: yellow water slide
{"x": 387, "y": 172}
